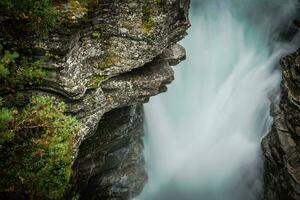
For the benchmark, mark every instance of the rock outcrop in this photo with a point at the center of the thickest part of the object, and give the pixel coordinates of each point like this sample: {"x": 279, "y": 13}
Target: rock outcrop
{"x": 281, "y": 146}
{"x": 110, "y": 162}
{"x": 115, "y": 170}
{"x": 117, "y": 37}
{"x": 104, "y": 62}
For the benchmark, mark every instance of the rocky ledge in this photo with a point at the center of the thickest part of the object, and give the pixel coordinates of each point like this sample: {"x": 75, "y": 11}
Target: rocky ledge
{"x": 104, "y": 62}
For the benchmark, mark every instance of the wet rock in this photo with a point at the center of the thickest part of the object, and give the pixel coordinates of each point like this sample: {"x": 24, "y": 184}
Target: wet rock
{"x": 282, "y": 145}
{"x": 110, "y": 163}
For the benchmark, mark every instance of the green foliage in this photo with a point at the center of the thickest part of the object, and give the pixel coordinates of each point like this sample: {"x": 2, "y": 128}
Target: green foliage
{"x": 29, "y": 18}
{"x": 28, "y": 71}
{"x": 52, "y": 56}
{"x": 16, "y": 70}
{"x": 96, "y": 35}
{"x": 5, "y": 118}
{"x": 36, "y": 142}
{"x": 5, "y": 61}
{"x": 4, "y": 72}
{"x": 36, "y": 150}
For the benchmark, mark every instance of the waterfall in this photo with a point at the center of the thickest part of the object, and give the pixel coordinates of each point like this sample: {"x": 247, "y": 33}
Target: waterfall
{"x": 203, "y": 137}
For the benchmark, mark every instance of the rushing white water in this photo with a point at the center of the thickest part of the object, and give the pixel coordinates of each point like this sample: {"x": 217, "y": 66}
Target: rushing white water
{"x": 203, "y": 136}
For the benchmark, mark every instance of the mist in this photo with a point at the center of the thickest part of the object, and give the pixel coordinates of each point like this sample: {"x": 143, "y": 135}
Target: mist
{"x": 203, "y": 136}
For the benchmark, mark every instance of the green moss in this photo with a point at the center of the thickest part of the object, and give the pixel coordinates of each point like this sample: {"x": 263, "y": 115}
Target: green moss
{"x": 96, "y": 35}
{"x": 149, "y": 24}
{"x": 148, "y": 21}
{"x": 95, "y": 80}
{"x": 35, "y": 159}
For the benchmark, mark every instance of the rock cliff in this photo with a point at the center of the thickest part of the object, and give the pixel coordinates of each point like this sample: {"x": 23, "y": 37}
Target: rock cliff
{"x": 104, "y": 61}
{"x": 281, "y": 146}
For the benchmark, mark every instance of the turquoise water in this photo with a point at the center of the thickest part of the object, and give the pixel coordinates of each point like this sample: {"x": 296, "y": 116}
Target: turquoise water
{"x": 203, "y": 136}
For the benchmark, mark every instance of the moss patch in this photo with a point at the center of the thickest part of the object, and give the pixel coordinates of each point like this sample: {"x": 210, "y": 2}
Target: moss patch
{"x": 95, "y": 80}
{"x": 36, "y": 149}
{"x": 148, "y": 20}
{"x": 96, "y": 35}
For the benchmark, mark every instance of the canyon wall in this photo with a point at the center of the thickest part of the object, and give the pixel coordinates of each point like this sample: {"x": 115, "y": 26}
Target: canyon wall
{"x": 281, "y": 145}
{"x": 104, "y": 60}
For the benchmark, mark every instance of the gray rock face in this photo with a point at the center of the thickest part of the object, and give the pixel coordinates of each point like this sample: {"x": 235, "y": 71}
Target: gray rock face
{"x": 110, "y": 163}
{"x": 281, "y": 146}
{"x": 104, "y": 63}
{"x": 117, "y": 37}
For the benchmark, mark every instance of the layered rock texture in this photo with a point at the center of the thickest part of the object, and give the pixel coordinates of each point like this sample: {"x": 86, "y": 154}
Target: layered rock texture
{"x": 282, "y": 145}
{"x": 104, "y": 62}
{"x": 110, "y": 162}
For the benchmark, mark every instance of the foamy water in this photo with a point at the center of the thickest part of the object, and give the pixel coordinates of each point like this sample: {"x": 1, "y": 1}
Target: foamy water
{"x": 203, "y": 136}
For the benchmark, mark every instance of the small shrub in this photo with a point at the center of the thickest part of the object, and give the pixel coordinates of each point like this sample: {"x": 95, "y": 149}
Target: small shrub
{"x": 16, "y": 70}
{"x": 5, "y": 118}
{"x": 36, "y": 156}
{"x": 34, "y": 18}
{"x": 7, "y": 60}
